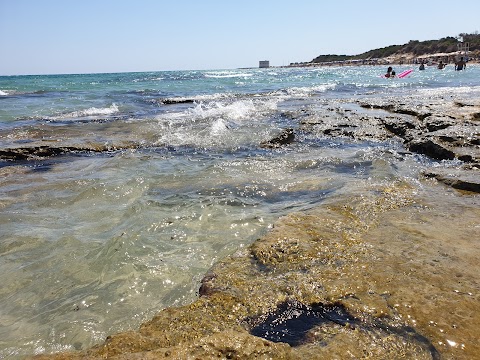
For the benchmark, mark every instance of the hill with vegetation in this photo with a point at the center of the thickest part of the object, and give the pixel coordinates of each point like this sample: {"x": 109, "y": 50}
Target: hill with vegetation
{"x": 413, "y": 48}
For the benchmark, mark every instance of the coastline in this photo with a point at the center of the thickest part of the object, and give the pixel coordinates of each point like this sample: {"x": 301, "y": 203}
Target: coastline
{"x": 407, "y": 59}
{"x": 393, "y": 273}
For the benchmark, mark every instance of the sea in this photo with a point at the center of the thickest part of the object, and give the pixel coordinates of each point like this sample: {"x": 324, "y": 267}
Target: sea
{"x": 160, "y": 176}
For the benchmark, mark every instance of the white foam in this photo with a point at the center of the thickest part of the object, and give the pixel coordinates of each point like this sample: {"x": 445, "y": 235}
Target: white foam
{"x": 4, "y": 93}
{"x": 205, "y": 97}
{"x": 226, "y": 74}
{"x": 235, "y": 111}
{"x": 219, "y": 127}
{"x": 149, "y": 79}
{"x": 210, "y": 123}
{"x": 311, "y": 89}
{"x": 221, "y": 105}
{"x": 449, "y": 90}
{"x": 112, "y": 109}
{"x": 93, "y": 111}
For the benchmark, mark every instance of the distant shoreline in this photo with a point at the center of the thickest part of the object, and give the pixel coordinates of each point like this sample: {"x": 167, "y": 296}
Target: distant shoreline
{"x": 431, "y": 59}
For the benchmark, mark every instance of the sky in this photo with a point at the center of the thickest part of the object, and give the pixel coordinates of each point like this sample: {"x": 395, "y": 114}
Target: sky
{"x": 95, "y": 36}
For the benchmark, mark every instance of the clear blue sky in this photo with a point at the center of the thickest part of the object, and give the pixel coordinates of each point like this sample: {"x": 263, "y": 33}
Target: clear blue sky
{"x": 83, "y": 36}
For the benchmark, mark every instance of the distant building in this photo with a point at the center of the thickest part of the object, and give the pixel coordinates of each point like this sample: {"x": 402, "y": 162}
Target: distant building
{"x": 264, "y": 64}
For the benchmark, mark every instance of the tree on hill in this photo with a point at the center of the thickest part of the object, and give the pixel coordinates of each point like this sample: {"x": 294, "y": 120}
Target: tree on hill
{"x": 414, "y": 47}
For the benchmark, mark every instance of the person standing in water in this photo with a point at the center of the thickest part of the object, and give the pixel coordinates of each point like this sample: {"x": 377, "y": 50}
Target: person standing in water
{"x": 461, "y": 65}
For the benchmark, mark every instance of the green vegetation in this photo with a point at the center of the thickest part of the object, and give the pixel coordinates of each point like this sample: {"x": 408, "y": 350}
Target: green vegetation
{"x": 413, "y": 47}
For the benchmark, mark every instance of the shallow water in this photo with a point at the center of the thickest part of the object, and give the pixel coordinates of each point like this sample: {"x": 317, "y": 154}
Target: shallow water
{"x": 93, "y": 243}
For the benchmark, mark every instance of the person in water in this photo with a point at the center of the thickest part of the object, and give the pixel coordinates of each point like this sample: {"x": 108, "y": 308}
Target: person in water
{"x": 392, "y": 75}
{"x": 441, "y": 65}
{"x": 422, "y": 66}
{"x": 389, "y": 72}
{"x": 460, "y": 65}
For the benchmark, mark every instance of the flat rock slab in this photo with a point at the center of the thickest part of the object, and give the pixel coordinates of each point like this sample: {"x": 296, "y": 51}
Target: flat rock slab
{"x": 466, "y": 180}
{"x": 390, "y": 275}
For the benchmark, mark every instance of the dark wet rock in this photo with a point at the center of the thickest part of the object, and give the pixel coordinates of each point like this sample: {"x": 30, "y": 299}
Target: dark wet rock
{"x": 431, "y": 149}
{"x": 286, "y": 137}
{"x": 294, "y": 323}
{"x": 397, "y": 110}
{"x": 399, "y": 127}
{"x": 475, "y": 141}
{"x": 418, "y": 115}
{"x": 339, "y": 132}
{"x": 457, "y": 179}
{"x": 295, "y": 114}
{"x": 26, "y": 153}
{"x": 460, "y": 104}
{"x": 291, "y": 321}
{"x": 435, "y": 123}
{"x": 388, "y": 107}
{"x": 45, "y": 151}
{"x": 177, "y": 101}
{"x": 438, "y": 134}
{"x": 439, "y": 130}
{"x": 452, "y": 139}
{"x": 206, "y": 287}
{"x": 466, "y": 158}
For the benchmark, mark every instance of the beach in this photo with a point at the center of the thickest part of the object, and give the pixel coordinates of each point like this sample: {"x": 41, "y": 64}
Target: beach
{"x": 275, "y": 213}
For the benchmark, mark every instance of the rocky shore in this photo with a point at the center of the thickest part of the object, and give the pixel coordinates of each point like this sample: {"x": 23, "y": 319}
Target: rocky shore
{"x": 439, "y": 128}
{"x": 331, "y": 284}
{"x": 389, "y": 275}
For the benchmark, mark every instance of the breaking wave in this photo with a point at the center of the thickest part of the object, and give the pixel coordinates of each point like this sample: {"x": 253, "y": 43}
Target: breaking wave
{"x": 90, "y": 112}
{"x": 227, "y": 74}
{"x": 7, "y": 92}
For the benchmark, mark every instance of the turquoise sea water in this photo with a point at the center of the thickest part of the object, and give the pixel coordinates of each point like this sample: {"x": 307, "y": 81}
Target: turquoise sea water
{"x": 92, "y": 243}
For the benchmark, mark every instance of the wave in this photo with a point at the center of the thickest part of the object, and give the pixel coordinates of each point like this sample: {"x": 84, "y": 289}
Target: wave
{"x": 450, "y": 89}
{"x": 90, "y": 112}
{"x": 5, "y": 92}
{"x": 208, "y": 124}
{"x": 236, "y": 110}
{"x": 288, "y": 92}
{"x": 232, "y": 110}
{"x": 146, "y": 79}
{"x": 294, "y": 91}
{"x": 227, "y": 74}
{"x": 195, "y": 99}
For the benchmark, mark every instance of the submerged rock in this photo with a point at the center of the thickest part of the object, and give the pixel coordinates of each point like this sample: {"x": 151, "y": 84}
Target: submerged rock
{"x": 400, "y": 128}
{"x": 27, "y": 153}
{"x": 177, "y": 101}
{"x": 287, "y": 136}
{"x": 437, "y": 123}
{"x": 461, "y": 180}
{"x": 45, "y": 151}
{"x": 361, "y": 277}
{"x": 431, "y": 149}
